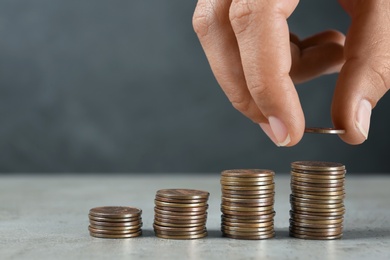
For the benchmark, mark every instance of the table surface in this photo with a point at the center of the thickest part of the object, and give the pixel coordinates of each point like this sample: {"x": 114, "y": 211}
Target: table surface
{"x": 46, "y": 217}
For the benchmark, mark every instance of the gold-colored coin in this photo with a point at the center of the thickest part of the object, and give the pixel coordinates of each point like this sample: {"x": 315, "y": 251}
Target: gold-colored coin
{"x": 316, "y": 189}
{"x": 318, "y": 197}
{"x": 324, "y": 130}
{"x": 230, "y": 221}
{"x": 270, "y": 188}
{"x": 114, "y": 224}
{"x": 187, "y": 201}
{"x": 319, "y": 175}
{"x": 306, "y": 216}
{"x": 115, "y": 212}
{"x": 246, "y": 213}
{"x": 247, "y": 234}
{"x": 248, "y": 205}
{"x": 112, "y": 232}
{"x": 309, "y": 237}
{"x": 182, "y": 237}
{"x": 250, "y": 173}
{"x": 305, "y": 221}
{"x": 317, "y": 206}
{"x": 99, "y": 235}
{"x": 269, "y": 179}
{"x": 183, "y": 194}
{"x": 248, "y": 225}
{"x": 183, "y": 221}
{"x": 246, "y": 229}
{"x": 296, "y": 192}
{"x": 230, "y": 208}
{"x": 128, "y": 229}
{"x": 303, "y": 200}
{"x": 259, "y": 237}
{"x": 180, "y": 205}
{"x": 318, "y": 185}
{"x": 178, "y": 225}
{"x": 114, "y": 219}
{"x": 317, "y": 231}
{"x": 179, "y": 213}
{"x": 298, "y": 224}
{"x": 247, "y": 193}
{"x": 176, "y": 217}
{"x": 177, "y": 209}
{"x": 247, "y": 201}
{"x": 322, "y": 214}
{"x": 236, "y": 183}
{"x": 180, "y": 233}
{"x": 179, "y": 229}
{"x": 317, "y": 166}
{"x": 240, "y": 196}
{"x": 312, "y": 181}
{"x": 314, "y": 210}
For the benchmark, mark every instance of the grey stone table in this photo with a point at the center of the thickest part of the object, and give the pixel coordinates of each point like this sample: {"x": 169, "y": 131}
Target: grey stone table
{"x": 45, "y": 217}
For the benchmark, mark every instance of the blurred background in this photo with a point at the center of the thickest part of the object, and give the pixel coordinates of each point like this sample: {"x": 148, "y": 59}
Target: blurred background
{"x": 124, "y": 86}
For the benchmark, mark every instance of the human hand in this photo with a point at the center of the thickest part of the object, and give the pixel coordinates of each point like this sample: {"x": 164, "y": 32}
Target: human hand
{"x": 255, "y": 61}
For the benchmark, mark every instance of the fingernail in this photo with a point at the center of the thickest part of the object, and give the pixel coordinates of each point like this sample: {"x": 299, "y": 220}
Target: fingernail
{"x": 268, "y": 131}
{"x": 279, "y": 130}
{"x": 363, "y": 117}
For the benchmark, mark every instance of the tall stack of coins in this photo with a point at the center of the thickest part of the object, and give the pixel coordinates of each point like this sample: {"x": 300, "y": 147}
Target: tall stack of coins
{"x": 180, "y": 213}
{"x": 115, "y": 222}
{"x": 248, "y": 204}
{"x": 317, "y": 200}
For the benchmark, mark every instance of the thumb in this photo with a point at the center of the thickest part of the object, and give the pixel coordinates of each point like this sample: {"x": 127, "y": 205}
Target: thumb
{"x": 365, "y": 76}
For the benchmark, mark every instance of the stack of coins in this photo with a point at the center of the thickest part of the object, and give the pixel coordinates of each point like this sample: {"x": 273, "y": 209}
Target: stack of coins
{"x": 115, "y": 222}
{"x": 248, "y": 204}
{"x": 180, "y": 213}
{"x": 317, "y": 200}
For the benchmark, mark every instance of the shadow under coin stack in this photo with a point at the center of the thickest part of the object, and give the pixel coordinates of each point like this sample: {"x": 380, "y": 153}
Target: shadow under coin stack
{"x": 248, "y": 204}
{"x": 180, "y": 213}
{"x": 317, "y": 200}
{"x": 115, "y": 222}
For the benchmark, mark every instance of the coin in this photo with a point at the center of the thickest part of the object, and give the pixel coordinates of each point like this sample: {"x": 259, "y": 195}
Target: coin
{"x": 128, "y": 228}
{"x": 183, "y": 194}
{"x": 318, "y": 196}
{"x": 324, "y": 130}
{"x": 179, "y": 221}
{"x": 112, "y": 232}
{"x": 316, "y": 176}
{"x": 255, "y": 237}
{"x": 247, "y": 201}
{"x": 179, "y": 213}
{"x": 99, "y": 235}
{"x": 248, "y": 234}
{"x": 239, "y": 183}
{"x": 325, "y": 201}
{"x": 114, "y": 224}
{"x": 114, "y": 219}
{"x": 180, "y": 205}
{"x": 266, "y": 180}
{"x": 115, "y": 212}
{"x": 311, "y": 181}
{"x": 232, "y": 208}
{"x": 251, "y": 173}
{"x": 185, "y": 237}
{"x": 176, "y": 224}
{"x": 269, "y": 228}
{"x": 172, "y": 200}
{"x": 317, "y": 166}
{"x": 179, "y": 229}
{"x": 180, "y": 218}
{"x": 316, "y": 189}
{"x": 246, "y": 193}
{"x": 269, "y": 188}
{"x": 180, "y": 233}
{"x": 183, "y": 209}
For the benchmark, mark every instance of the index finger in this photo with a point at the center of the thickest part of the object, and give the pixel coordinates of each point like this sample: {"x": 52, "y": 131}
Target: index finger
{"x": 263, "y": 38}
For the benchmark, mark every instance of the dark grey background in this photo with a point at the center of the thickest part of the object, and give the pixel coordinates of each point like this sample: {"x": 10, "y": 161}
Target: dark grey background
{"x": 124, "y": 86}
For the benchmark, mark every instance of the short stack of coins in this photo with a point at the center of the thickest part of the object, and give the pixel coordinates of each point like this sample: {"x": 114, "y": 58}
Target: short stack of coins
{"x": 115, "y": 222}
{"x": 180, "y": 213}
{"x": 248, "y": 204}
{"x": 317, "y": 200}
